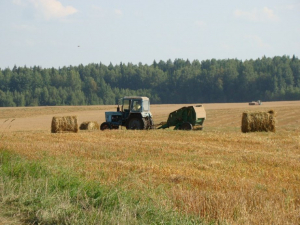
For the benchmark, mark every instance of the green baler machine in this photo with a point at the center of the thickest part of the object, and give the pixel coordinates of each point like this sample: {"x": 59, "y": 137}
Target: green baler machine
{"x": 186, "y": 118}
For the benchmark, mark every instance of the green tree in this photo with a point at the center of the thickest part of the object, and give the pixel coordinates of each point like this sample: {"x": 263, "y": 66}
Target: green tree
{"x": 6, "y": 99}
{"x": 19, "y": 99}
{"x": 73, "y": 80}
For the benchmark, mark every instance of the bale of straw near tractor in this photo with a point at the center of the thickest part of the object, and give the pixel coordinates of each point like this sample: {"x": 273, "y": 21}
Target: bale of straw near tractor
{"x": 258, "y": 121}
{"x": 89, "y": 125}
{"x": 62, "y": 124}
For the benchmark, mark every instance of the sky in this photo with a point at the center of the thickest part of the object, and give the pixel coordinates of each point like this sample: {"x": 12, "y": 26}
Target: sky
{"x": 57, "y": 33}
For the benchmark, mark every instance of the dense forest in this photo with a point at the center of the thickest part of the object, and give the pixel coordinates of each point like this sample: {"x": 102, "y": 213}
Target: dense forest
{"x": 178, "y": 81}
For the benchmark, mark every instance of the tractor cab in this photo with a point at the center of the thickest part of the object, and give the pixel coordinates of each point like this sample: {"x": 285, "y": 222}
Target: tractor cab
{"x": 135, "y": 105}
{"x": 134, "y": 113}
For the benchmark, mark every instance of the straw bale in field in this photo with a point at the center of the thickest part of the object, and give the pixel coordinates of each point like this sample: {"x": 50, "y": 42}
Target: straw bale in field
{"x": 89, "y": 125}
{"x": 64, "y": 124}
{"x": 258, "y": 121}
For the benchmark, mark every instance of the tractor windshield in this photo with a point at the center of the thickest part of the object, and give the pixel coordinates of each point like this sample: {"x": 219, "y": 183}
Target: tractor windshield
{"x": 136, "y": 105}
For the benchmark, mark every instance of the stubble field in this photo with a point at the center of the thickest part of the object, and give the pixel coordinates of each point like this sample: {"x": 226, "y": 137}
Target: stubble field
{"x": 219, "y": 174}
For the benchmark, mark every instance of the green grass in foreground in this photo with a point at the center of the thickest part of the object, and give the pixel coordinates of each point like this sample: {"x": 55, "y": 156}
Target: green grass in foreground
{"x": 40, "y": 196}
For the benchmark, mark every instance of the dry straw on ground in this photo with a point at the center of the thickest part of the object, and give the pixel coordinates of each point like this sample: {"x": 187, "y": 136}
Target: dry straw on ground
{"x": 89, "y": 125}
{"x": 191, "y": 172}
{"x": 258, "y": 121}
{"x": 64, "y": 124}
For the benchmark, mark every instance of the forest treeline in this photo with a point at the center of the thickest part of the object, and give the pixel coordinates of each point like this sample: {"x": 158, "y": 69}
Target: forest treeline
{"x": 178, "y": 81}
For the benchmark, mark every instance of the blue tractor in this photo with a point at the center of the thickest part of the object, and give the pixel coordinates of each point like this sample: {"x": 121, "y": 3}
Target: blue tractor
{"x": 134, "y": 114}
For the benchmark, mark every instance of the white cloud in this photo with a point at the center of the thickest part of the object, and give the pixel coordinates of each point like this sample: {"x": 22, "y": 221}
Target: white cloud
{"x": 200, "y": 23}
{"x": 257, "y": 41}
{"x": 269, "y": 14}
{"x": 256, "y": 15}
{"x": 118, "y": 12}
{"x": 19, "y": 2}
{"x": 247, "y": 15}
{"x": 52, "y": 9}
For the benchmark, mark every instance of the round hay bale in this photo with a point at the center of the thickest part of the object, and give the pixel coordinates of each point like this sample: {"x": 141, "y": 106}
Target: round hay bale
{"x": 83, "y": 125}
{"x": 89, "y": 125}
{"x": 64, "y": 124}
{"x": 258, "y": 121}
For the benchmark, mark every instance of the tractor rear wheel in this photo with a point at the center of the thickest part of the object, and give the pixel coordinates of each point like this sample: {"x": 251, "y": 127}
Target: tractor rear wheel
{"x": 115, "y": 127}
{"x": 136, "y": 123}
{"x": 186, "y": 126}
{"x": 104, "y": 126}
{"x": 151, "y": 124}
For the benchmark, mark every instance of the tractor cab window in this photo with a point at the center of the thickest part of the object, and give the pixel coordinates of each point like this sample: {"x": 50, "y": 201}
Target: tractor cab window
{"x": 136, "y": 105}
{"x": 146, "y": 105}
{"x": 126, "y": 105}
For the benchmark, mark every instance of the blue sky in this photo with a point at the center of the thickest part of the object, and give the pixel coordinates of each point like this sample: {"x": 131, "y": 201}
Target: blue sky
{"x": 57, "y": 33}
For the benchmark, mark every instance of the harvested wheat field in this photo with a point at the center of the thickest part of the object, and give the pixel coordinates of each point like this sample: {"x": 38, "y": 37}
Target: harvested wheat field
{"x": 220, "y": 174}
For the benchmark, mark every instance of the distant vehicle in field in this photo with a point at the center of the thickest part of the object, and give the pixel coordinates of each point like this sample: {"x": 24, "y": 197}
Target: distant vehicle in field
{"x": 134, "y": 114}
{"x": 258, "y": 102}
